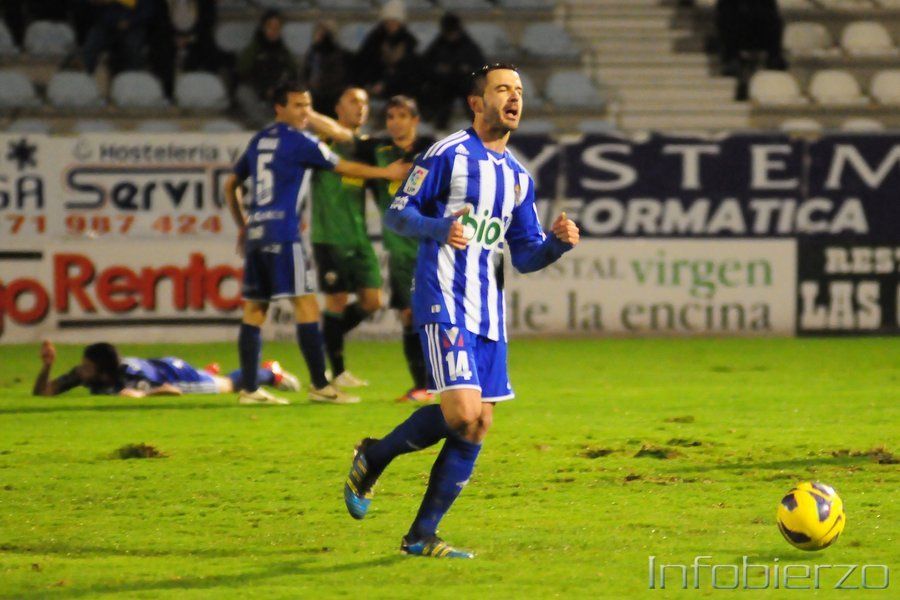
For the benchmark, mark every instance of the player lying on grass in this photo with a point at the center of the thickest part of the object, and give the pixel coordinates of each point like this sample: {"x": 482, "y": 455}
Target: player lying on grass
{"x": 104, "y": 372}
{"x": 468, "y": 200}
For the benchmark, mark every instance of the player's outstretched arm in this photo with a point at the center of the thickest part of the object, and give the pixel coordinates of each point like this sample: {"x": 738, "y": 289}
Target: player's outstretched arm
{"x": 326, "y": 127}
{"x": 395, "y": 171}
{"x": 42, "y": 385}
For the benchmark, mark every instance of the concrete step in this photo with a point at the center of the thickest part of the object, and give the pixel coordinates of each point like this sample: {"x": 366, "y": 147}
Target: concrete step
{"x": 664, "y": 105}
{"x": 676, "y": 93}
{"x": 652, "y": 73}
{"x": 652, "y": 60}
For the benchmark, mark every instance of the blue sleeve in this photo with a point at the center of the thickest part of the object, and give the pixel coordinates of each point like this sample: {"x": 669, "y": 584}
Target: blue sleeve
{"x": 427, "y": 182}
{"x": 530, "y": 249}
{"x": 311, "y": 151}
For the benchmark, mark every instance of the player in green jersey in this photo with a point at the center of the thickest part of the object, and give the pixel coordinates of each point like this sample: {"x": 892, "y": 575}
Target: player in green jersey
{"x": 344, "y": 256}
{"x": 402, "y": 121}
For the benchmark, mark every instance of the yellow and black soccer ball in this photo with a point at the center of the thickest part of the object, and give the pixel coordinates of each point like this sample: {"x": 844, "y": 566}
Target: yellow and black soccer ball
{"x": 811, "y": 516}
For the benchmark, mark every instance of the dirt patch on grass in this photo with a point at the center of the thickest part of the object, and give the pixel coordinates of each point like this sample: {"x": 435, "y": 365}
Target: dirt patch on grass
{"x": 595, "y": 452}
{"x": 138, "y": 451}
{"x": 648, "y": 450}
{"x": 879, "y": 454}
{"x": 684, "y": 419}
{"x": 683, "y": 443}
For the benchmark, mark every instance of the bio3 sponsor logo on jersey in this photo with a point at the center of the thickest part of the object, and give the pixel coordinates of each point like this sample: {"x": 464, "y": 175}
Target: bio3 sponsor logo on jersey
{"x": 483, "y": 229}
{"x": 80, "y": 286}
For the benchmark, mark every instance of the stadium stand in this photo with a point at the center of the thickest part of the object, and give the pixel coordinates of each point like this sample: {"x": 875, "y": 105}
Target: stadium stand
{"x": 16, "y": 91}
{"x": 775, "y": 88}
{"x": 200, "y": 91}
{"x": 862, "y": 125}
{"x": 7, "y": 44}
{"x": 27, "y": 125}
{"x": 885, "y": 87}
{"x": 836, "y": 87}
{"x": 49, "y": 39}
{"x": 93, "y": 126}
{"x": 137, "y": 89}
{"x": 73, "y": 90}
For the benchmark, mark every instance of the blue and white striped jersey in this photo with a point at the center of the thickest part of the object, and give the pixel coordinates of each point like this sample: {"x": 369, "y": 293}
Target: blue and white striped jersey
{"x": 461, "y": 286}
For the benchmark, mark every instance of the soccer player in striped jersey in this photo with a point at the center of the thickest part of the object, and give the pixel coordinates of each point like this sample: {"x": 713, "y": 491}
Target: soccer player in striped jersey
{"x": 278, "y": 161}
{"x": 401, "y": 122}
{"x": 468, "y": 200}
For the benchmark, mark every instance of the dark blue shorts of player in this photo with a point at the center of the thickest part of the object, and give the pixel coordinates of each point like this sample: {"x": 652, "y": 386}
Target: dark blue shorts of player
{"x": 277, "y": 271}
{"x": 139, "y": 373}
{"x": 457, "y": 358}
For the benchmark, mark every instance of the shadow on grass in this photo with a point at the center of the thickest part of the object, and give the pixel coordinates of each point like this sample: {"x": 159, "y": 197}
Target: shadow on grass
{"x": 25, "y": 410}
{"x": 235, "y": 581}
{"x": 796, "y": 463}
{"x": 80, "y": 551}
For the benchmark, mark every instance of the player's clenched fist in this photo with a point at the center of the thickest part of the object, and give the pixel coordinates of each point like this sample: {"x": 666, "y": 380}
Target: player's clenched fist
{"x": 565, "y": 229}
{"x": 457, "y": 236}
{"x": 48, "y": 353}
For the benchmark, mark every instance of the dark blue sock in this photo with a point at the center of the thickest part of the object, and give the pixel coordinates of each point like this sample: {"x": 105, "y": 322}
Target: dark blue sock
{"x": 309, "y": 336}
{"x": 249, "y": 348}
{"x": 263, "y": 377}
{"x": 450, "y": 473}
{"x": 424, "y": 428}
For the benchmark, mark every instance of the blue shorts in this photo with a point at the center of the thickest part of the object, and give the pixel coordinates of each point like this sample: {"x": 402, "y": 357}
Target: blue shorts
{"x": 277, "y": 271}
{"x": 457, "y": 358}
{"x": 148, "y": 373}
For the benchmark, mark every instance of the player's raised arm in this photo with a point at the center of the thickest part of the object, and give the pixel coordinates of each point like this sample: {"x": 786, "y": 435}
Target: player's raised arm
{"x": 530, "y": 248}
{"x": 326, "y": 127}
{"x": 397, "y": 170}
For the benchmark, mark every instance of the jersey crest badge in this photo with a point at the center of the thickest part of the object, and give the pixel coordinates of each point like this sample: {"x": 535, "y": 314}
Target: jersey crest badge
{"x": 415, "y": 180}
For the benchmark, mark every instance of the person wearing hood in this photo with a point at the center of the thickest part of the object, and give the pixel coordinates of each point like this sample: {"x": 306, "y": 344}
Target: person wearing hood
{"x": 386, "y": 62}
{"x": 327, "y": 68}
{"x": 451, "y": 57}
{"x": 264, "y": 63}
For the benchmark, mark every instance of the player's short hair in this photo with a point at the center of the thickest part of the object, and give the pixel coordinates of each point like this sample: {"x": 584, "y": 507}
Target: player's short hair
{"x": 478, "y": 79}
{"x": 105, "y": 357}
{"x": 401, "y": 101}
{"x": 288, "y": 86}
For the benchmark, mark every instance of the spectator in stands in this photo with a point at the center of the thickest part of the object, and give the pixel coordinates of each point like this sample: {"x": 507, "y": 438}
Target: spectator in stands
{"x": 261, "y": 66}
{"x": 327, "y": 68}
{"x": 451, "y": 58}
{"x": 183, "y": 39}
{"x": 119, "y": 28}
{"x": 386, "y": 62}
{"x": 749, "y": 25}
{"x": 14, "y": 17}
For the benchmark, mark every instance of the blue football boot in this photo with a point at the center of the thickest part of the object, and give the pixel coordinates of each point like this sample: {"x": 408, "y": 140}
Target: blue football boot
{"x": 433, "y": 547}
{"x": 359, "y": 484}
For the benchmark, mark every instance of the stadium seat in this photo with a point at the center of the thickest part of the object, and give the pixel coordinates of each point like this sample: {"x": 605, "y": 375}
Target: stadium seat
{"x": 158, "y": 126}
{"x": 413, "y": 5}
{"x": 847, "y": 5}
{"x": 464, "y": 5}
{"x": 862, "y": 125}
{"x": 17, "y": 91}
{"x": 426, "y": 130}
{"x": 808, "y": 39}
{"x": 221, "y": 126}
{"x": 548, "y": 40}
{"x": 833, "y": 87}
{"x": 885, "y": 87}
{"x": 351, "y": 35}
{"x": 73, "y": 89}
{"x": 537, "y": 127}
{"x": 525, "y": 4}
{"x": 200, "y": 90}
{"x": 774, "y": 88}
{"x": 493, "y": 39}
{"x": 867, "y": 38}
{"x": 801, "y": 125}
{"x": 234, "y": 36}
{"x": 793, "y": 5}
{"x": 588, "y": 126}
{"x": 425, "y": 32}
{"x": 7, "y": 44}
{"x": 573, "y": 89}
{"x": 137, "y": 89}
{"x": 298, "y": 37}
{"x": 355, "y": 5}
{"x": 48, "y": 38}
{"x": 29, "y": 126}
{"x": 93, "y": 126}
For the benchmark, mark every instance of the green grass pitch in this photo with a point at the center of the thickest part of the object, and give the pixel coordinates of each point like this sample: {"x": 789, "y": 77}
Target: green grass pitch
{"x": 564, "y": 504}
